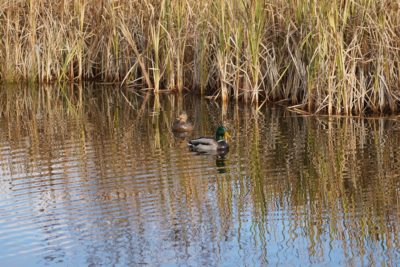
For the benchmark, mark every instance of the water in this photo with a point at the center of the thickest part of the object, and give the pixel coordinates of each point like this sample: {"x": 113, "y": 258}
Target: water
{"x": 109, "y": 184}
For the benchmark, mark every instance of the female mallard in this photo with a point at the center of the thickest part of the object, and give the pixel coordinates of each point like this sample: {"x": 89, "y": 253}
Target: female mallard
{"x": 181, "y": 124}
{"x": 209, "y": 144}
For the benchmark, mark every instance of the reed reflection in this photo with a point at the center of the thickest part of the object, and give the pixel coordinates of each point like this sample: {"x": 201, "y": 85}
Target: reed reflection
{"x": 111, "y": 185}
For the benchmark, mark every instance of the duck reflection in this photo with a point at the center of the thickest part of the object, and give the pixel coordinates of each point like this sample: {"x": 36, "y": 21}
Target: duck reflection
{"x": 220, "y": 163}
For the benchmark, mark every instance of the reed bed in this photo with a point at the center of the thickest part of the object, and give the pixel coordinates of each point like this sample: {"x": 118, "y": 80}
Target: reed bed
{"x": 334, "y": 57}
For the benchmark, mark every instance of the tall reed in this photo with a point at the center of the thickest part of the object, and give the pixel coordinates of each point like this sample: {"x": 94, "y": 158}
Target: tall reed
{"x": 335, "y": 57}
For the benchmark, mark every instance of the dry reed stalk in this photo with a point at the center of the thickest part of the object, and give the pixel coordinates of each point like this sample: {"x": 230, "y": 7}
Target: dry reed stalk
{"x": 335, "y": 57}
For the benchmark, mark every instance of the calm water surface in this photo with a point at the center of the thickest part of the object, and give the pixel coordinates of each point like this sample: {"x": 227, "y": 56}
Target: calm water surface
{"x": 110, "y": 185}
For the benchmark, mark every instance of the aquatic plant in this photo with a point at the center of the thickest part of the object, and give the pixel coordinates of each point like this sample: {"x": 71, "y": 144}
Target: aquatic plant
{"x": 335, "y": 57}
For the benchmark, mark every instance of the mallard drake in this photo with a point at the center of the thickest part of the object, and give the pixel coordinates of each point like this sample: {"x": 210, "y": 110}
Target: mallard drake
{"x": 181, "y": 124}
{"x": 209, "y": 144}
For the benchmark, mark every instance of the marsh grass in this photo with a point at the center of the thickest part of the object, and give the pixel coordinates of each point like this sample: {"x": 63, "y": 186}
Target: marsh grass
{"x": 334, "y": 57}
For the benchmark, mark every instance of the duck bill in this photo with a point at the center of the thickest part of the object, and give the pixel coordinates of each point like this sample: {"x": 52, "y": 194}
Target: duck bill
{"x": 228, "y": 136}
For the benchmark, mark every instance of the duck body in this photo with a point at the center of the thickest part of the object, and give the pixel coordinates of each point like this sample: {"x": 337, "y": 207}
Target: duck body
{"x": 209, "y": 144}
{"x": 181, "y": 124}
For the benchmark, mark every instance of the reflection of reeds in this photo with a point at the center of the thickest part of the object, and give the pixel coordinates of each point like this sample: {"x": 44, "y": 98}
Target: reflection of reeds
{"x": 318, "y": 173}
{"x": 325, "y": 178}
{"x": 324, "y": 56}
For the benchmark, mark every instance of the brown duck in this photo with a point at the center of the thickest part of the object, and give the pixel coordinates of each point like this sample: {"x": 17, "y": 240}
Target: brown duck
{"x": 181, "y": 124}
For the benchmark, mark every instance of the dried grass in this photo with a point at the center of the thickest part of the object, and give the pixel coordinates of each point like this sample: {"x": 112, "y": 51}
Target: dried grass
{"x": 334, "y": 57}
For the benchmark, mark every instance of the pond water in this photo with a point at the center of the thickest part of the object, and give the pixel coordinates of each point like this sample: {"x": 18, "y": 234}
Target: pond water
{"x": 102, "y": 181}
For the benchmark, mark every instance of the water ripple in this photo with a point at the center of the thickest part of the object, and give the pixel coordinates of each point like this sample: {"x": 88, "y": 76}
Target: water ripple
{"x": 291, "y": 191}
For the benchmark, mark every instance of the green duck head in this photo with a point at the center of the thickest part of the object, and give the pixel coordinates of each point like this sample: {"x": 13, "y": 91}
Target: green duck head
{"x": 221, "y": 133}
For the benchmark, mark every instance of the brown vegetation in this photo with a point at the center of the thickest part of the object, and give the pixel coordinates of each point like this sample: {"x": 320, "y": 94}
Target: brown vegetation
{"x": 335, "y": 57}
